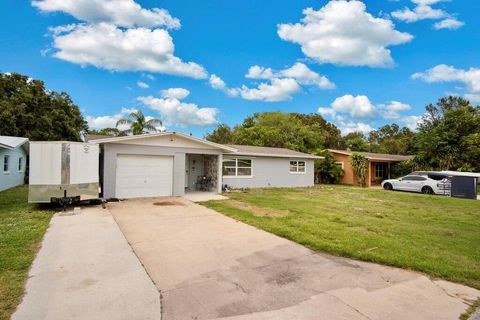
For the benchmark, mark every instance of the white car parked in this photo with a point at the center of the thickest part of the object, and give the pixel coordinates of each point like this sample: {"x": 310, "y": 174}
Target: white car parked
{"x": 419, "y": 182}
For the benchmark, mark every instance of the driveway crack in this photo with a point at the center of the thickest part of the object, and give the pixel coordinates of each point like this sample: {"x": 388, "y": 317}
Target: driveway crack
{"x": 348, "y": 305}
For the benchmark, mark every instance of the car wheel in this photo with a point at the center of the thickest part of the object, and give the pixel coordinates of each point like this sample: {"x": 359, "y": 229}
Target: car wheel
{"x": 427, "y": 190}
{"x": 388, "y": 186}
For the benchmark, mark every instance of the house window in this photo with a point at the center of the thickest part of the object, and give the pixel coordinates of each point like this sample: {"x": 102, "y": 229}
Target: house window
{"x": 6, "y": 160}
{"x": 339, "y": 165}
{"x": 20, "y": 164}
{"x": 297, "y": 166}
{"x": 379, "y": 170}
{"x": 237, "y": 167}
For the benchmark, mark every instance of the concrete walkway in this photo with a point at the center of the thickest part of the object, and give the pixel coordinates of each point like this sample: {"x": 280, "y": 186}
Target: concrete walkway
{"x": 86, "y": 270}
{"x": 209, "y": 266}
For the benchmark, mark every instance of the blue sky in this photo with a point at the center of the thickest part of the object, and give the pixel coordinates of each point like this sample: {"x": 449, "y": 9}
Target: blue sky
{"x": 361, "y": 64}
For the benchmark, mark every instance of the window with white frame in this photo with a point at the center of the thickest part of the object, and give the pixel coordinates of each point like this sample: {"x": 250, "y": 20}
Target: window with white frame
{"x": 20, "y": 164}
{"x": 6, "y": 163}
{"x": 237, "y": 167}
{"x": 379, "y": 170}
{"x": 297, "y": 166}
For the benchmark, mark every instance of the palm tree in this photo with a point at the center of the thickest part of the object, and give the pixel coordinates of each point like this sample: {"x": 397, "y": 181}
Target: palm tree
{"x": 139, "y": 124}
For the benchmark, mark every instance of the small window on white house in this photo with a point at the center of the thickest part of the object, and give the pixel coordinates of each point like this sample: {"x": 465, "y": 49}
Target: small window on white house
{"x": 20, "y": 164}
{"x": 6, "y": 163}
{"x": 237, "y": 167}
{"x": 297, "y": 166}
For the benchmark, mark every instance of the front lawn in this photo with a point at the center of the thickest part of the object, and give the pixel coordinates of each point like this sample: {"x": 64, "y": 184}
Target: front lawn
{"x": 433, "y": 234}
{"x": 22, "y": 227}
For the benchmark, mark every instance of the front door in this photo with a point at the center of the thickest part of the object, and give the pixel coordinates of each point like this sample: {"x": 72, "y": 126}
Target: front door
{"x": 195, "y": 169}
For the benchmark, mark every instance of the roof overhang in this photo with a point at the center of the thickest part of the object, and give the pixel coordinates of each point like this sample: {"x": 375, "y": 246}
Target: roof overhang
{"x": 14, "y": 143}
{"x": 159, "y": 134}
{"x": 369, "y": 157}
{"x": 291, "y": 156}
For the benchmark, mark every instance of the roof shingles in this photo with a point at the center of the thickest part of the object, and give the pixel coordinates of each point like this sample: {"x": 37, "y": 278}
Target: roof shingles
{"x": 269, "y": 151}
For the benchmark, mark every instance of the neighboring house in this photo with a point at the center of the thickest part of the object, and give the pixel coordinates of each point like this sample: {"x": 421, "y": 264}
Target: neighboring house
{"x": 171, "y": 163}
{"x": 13, "y": 160}
{"x": 379, "y": 166}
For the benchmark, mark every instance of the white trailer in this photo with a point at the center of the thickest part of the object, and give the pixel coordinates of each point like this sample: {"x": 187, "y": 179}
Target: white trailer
{"x": 63, "y": 172}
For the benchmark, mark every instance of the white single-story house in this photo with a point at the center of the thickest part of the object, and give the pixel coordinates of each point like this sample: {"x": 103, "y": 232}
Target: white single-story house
{"x": 172, "y": 163}
{"x": 13, "y": 157}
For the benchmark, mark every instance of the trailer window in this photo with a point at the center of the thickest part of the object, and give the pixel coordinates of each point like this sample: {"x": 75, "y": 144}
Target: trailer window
{"x": 20, "y": 164}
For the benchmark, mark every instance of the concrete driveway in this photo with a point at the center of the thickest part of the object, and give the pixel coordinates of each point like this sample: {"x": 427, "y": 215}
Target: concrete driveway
{"x": 86, "y": 270}
{"x": 208, "y": 266}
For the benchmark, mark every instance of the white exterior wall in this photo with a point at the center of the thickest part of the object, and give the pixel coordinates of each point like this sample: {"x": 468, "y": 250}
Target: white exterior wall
{"x": 272, "y": 172}
{"x": 112, "y": 150}
{"x": 13, "y": 177}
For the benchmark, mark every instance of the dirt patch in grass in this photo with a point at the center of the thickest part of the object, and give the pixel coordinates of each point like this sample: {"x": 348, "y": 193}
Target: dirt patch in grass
{"x": 257, "y": 211}
{"x": 168, "y": 203}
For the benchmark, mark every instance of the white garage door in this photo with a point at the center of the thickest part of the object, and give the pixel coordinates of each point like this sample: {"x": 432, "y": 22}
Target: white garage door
{"x": 143, "y": 176}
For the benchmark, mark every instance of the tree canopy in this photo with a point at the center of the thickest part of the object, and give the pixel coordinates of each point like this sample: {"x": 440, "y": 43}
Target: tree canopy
{"x": 448, "y": 137}
{"x": 302, "y": 132}
{"x": 29, "y": 110}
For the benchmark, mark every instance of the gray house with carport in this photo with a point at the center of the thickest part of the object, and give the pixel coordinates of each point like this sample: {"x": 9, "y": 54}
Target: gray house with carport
{"x": 172, "y": 163}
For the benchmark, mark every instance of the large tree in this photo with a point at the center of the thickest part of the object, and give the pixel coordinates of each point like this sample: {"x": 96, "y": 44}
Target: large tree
{"x": 355, "y": 141}
{"x": 28, "y": 109}
{"x": 449, "y": 136}
{"x": 392, "y": 139}
{"x": 302, "y": 132}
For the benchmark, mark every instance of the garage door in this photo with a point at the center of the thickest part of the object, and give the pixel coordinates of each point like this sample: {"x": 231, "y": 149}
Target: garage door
{"x": 143, "y": 176}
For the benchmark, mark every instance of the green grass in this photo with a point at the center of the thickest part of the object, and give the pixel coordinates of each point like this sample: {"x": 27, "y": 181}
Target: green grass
{"x": 22, "y": 227}
{"x": 436, "y": 235}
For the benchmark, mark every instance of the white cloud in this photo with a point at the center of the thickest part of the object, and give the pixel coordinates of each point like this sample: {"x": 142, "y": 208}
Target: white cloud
{"x": 257, "y": 72}
{"x": 350, "y": 127}
{"x": 411, "y": 122}
{"x": 149, "y": 76}
{"x": 393, "y": 109}
{"x": 102, "y": 122}
{"x": 281, "y": 84}
{"x": 124, "y": 13}
{"x": 473, "y": 98}
{"x": 217, "y": 83}
{"x": 346, "y": 109}
{"x": 107, "y": 46}
{"x": 355, "y": 106}
{"x": 143, "y": 85}
{"x": 343, "y": 33}
{"x": 175, "y": 93}
{"x": 445, "y": 73}
{"x": 420, "y": 12}
{"x": 299, "y": 71}
{"x": 423, "y": 10}
{"x": 62, "y": 29}
{"x": 360, "y": 106}
{"x": 276, "y": 90}
{"x": 449, "y": 23}
{"x": 173, "y": 111}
